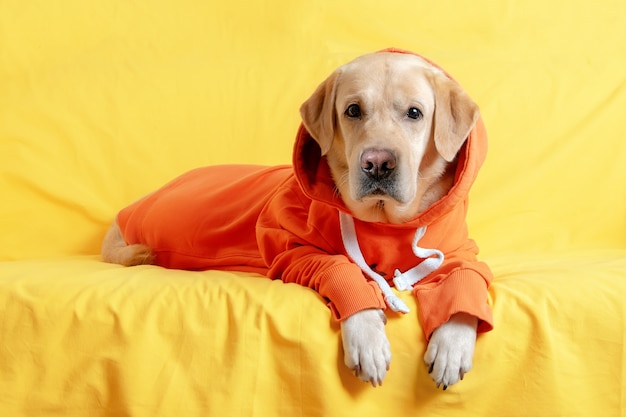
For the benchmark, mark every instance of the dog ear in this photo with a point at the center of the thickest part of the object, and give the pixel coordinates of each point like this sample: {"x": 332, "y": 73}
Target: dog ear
{"x": 455, "y": 116}
{"x": 318, "y": 113}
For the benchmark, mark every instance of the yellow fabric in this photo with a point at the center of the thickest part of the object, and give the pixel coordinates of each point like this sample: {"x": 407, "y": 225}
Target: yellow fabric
{"x": 80, "y": 337}
{"x": 103, "y": 101}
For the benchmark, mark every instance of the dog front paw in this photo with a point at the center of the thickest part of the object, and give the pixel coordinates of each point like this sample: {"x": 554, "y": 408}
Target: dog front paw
{"x": 365, "y": 345}
{"x": 450, "y": 350}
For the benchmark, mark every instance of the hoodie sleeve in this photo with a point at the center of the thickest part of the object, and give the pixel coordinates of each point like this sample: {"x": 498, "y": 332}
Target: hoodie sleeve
{"x": 296, "y": 251}
{"x": 459, "y": 285}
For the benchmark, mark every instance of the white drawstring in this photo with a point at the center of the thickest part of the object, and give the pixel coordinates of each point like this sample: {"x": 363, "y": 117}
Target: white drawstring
{"x": 432, "y": 259}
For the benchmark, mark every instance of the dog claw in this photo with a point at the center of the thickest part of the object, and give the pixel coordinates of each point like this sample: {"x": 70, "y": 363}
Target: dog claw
{"x": 430, "y": 368}
{"x": 445, "y": 387}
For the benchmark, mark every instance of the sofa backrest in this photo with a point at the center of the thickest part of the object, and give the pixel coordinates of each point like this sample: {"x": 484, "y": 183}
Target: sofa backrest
{"x": 101, "y": 102}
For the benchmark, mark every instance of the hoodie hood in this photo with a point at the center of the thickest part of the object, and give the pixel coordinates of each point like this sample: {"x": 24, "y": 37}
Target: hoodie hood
{"x": 314, "y": 177}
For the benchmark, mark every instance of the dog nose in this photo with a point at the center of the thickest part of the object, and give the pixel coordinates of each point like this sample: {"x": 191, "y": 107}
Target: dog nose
{"x": 378, "y": 163}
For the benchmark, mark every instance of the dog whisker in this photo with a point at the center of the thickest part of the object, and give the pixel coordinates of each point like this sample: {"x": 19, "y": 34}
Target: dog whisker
{"x": 429, "y": 177}
{"x": 340, "y": 183}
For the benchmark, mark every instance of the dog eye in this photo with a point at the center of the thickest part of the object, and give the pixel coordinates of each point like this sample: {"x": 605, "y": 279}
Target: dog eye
{"x": 414, "y": 113}
{"x": 353, "y": 111}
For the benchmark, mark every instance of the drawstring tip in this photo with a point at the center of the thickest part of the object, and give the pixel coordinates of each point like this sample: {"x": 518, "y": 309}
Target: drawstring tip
{"x": 396, "y": 304}
{"x": 401, "y": 282}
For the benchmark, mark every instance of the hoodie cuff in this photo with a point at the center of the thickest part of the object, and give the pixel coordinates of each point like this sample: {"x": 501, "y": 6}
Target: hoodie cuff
{"x": 463, "y": 291}
{"x": 348, "y": 291}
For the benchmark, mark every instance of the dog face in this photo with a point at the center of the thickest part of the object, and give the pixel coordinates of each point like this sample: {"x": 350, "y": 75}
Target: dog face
{"x": 390, "y": 125}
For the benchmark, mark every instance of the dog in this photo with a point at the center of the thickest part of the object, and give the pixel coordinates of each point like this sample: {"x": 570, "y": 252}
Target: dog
{"x": 388, "y": 147}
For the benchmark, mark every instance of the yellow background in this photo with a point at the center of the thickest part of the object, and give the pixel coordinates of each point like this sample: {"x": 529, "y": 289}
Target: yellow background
{"x": 102, "y": 101}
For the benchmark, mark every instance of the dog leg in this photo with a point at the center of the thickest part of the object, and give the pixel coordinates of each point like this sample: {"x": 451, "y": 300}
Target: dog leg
{"x": 116, "y": 251}
{"x": 451, "y": 348}
{"x": 365, "y": 345}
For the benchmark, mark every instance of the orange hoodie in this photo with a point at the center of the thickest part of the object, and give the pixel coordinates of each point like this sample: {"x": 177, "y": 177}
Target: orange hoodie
{"x": 284, "y": 222}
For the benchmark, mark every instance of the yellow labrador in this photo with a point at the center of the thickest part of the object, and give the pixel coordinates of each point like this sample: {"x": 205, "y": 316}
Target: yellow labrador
{"x": 364, "y": 117}
{"x": 391, "y": 156}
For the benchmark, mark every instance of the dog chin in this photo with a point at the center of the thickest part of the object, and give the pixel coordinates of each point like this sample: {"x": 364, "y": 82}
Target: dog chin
{"x": 383, "y": 191}
{"x": 378, "y": 208}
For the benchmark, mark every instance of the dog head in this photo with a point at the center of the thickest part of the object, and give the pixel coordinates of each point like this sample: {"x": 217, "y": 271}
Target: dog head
{"x": 389, "y": 124}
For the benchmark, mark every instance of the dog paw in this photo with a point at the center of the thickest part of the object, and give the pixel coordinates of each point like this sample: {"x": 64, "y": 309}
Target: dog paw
{"x": 365, "y": 345}
{"x": 450, "y": 350}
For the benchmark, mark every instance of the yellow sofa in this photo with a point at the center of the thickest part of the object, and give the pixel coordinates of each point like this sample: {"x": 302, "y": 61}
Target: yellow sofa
{"x": 103, "y": 101}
